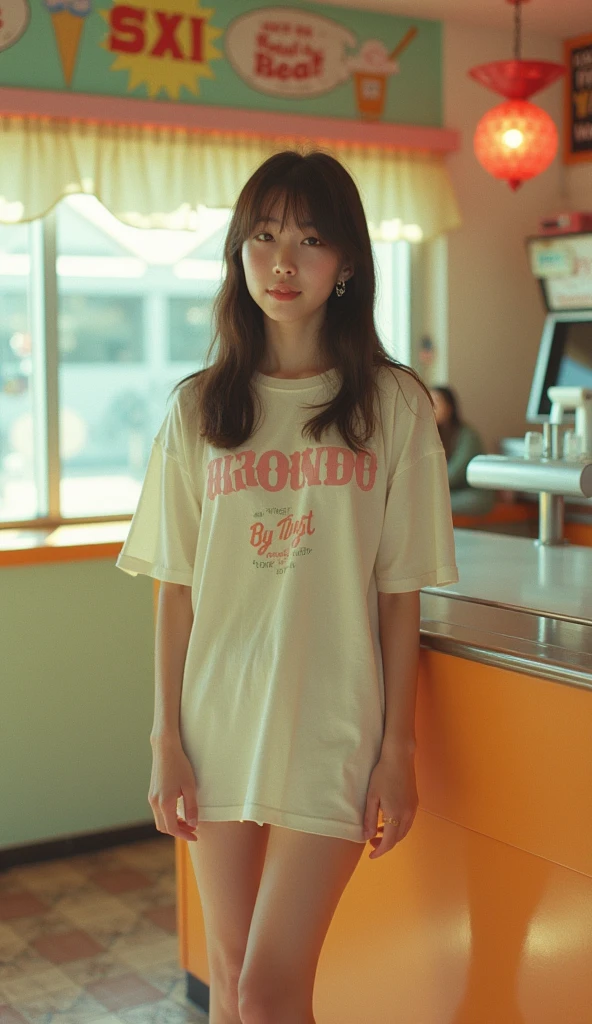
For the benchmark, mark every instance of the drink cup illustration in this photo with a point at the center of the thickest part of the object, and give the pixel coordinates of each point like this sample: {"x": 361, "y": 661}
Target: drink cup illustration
{"x": 67, "y": 18}
{"x": 371, "y": 69}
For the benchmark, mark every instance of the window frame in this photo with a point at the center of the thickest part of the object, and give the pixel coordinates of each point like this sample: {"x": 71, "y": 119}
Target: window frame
{"x": 395, "y": 276}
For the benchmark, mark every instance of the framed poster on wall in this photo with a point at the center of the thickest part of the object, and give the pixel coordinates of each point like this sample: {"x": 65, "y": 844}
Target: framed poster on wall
{"x": 578, "y": 100}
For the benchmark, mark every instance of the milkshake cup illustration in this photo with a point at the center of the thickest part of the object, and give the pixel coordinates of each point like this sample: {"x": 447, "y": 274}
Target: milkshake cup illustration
{"x": 371, "y": 69}
{"x": 67, "y": 17}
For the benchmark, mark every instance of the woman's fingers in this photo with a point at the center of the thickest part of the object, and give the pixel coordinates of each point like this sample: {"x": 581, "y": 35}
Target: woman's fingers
{"x": 188, "y": 831}
{"x": 180, "y": 829}
{"x": 174, "y": 824}
{"x": 172, "y": 784}
{"x": 190, "y": 803}
{"x": 168, "y": 821}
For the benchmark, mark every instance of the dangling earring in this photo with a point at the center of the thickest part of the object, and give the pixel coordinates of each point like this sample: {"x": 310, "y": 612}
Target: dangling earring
{"x": 340, "y": 288}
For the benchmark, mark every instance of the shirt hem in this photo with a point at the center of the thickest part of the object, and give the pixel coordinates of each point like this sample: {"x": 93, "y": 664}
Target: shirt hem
{"x": 271, "y": 816}
{"x": 132, "y": 566}
{"x": 437, "y": 578}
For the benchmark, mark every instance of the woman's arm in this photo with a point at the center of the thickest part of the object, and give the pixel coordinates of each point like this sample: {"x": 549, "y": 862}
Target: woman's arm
{"x": 399, "y": 622}
{"x": 173, "y": 626}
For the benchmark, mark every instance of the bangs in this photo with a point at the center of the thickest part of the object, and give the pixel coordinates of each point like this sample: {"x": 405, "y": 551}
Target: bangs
{"x": 310, "y": 191}
{"x": 300, "y": 201}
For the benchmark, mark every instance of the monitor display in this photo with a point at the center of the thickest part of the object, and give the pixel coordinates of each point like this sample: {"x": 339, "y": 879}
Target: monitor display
{"x": 565, "y": 359}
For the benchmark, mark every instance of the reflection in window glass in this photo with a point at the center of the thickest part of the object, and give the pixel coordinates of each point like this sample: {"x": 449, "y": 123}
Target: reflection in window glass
{"x": 134, "y": 318}
{"x": 18, "y": 495}
{"x": 190, "y": 331}
{"x": 100, "y": 329}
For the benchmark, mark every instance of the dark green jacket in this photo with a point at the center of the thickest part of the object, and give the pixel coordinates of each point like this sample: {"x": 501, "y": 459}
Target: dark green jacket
{"x": 468, "y": 444}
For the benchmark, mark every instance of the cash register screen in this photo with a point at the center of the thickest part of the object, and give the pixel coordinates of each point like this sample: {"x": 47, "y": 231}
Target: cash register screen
{"x": 565, "y": 359}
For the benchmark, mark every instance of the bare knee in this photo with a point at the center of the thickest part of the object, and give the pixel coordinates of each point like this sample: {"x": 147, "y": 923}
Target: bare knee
{"x": 273, "y": 996}
{"x": 224, "y": 982}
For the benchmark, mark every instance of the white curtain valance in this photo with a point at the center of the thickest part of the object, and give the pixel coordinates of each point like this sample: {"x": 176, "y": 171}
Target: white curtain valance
{"x": 157, "y": 177}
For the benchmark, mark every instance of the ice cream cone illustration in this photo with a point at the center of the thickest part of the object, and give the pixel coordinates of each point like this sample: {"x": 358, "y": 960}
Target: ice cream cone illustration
{"x": 68, "y": 18}
{"x": 371, "y": 69}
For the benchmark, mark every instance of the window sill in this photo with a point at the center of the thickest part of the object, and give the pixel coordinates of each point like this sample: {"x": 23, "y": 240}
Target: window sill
{"x": 77, "y": 543}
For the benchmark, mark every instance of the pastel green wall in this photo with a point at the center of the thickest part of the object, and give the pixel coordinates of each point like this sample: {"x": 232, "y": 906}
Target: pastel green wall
{"x": 77, "y": 698}
{"x": 413, "y": 96}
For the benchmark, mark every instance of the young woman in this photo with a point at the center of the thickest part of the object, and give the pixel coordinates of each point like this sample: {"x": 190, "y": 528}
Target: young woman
{"x": 461, "y": 443}
{"x": 291, "y": 552}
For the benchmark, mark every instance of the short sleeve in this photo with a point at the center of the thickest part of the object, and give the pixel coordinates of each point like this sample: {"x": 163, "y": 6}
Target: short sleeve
{"x": 416, "y": 547}
{"x": 163, "y": 533}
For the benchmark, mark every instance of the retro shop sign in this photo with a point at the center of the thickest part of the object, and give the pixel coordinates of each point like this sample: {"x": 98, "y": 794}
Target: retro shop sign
{"x": 578, "y": 99}
{"x": 304, "y": 58}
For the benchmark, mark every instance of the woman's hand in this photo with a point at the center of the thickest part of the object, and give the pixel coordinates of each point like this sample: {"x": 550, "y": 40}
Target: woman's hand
{"x": 172, "y": 777}
{"x": 392, "y": 787}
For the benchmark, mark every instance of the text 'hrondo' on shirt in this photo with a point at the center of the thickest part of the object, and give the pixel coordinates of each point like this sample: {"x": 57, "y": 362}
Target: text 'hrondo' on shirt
{"x": 330, "y": 466}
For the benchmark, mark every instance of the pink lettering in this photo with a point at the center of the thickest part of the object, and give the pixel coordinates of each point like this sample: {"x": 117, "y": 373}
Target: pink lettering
{"x": 301, "y": 71}
{"x": 263, "y": 65}
{"x": 288, "y": 526}
{"x": 290, "y": 529}
{"x": 267, "y": 67}
{"x": 261, "y": 538}
{"x": 329, "y": 466}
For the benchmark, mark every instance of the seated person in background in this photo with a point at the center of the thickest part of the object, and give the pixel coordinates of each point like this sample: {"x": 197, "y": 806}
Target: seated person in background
{"x": 461, "y": 444}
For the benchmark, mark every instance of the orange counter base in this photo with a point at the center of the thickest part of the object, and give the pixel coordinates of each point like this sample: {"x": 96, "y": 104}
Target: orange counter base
{"x": 483, "y": 913}
{"x": 520, "y": 514}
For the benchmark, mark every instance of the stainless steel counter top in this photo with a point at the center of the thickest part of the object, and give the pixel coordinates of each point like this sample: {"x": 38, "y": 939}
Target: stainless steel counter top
{"x": 517, "y": 606}
{"x": 515, "y": 572}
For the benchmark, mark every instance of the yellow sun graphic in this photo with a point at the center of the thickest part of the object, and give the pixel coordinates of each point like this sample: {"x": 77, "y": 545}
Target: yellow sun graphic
{"x": 163, "y": 44}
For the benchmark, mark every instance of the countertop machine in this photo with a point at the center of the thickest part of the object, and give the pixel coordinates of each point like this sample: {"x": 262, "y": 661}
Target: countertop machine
{"x": 556, "y": 463}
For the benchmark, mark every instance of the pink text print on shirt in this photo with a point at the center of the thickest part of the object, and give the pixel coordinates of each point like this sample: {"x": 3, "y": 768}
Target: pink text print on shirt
{"x": 272, "y": 471}
{"x": 329, "y": 466}
{"x": 289, "y": 529}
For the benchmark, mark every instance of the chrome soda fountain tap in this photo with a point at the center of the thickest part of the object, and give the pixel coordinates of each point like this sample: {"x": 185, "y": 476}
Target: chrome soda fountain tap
{"x": 547, "y": 468}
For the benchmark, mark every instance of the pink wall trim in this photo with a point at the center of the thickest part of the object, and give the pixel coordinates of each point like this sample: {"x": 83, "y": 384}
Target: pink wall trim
{"x": 38, "y": 102}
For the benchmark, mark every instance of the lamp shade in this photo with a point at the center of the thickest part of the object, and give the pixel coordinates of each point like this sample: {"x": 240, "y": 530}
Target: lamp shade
{"x": 515, "y": 141}
{"x": 517, "y": 79}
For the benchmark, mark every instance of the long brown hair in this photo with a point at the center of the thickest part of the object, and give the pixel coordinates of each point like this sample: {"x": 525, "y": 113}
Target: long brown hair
{"x": 317, "y": 188}
{"x": 449, "y": 431}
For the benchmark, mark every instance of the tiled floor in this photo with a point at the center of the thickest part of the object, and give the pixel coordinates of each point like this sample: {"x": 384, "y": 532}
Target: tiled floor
{"x": 92, "y": 940}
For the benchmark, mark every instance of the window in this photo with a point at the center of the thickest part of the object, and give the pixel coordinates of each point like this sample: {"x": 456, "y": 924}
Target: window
{"x": 17, "y": 495}
{"x": 98, "y": 321}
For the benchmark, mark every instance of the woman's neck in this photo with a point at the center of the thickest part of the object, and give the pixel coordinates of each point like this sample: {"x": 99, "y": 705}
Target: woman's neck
{"x": 292, "y": 349}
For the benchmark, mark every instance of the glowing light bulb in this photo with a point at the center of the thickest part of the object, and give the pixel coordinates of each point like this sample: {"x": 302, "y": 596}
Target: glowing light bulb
{"x": 513, "y": 138}
{"x": 515, "y": 141}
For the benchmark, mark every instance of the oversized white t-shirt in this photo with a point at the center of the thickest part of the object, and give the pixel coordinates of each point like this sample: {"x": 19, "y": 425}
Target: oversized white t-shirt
{"x": 285, "y": 543}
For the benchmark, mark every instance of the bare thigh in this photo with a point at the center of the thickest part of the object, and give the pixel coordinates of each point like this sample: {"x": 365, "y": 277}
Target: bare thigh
{"x": 228, "y": 860}
{"x": 303, "y": 879}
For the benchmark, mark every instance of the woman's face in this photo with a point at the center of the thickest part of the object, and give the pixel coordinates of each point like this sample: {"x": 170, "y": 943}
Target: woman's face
{"x": 442, "y": 409}
{"x": 294, "y": 262}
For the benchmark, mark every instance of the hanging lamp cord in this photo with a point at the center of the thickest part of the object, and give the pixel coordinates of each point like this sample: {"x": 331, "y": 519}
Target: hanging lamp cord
{"x": 517, "y": 28}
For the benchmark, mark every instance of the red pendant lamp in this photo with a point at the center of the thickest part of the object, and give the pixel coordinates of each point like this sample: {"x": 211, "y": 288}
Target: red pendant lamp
{"x": 516, "y": 140}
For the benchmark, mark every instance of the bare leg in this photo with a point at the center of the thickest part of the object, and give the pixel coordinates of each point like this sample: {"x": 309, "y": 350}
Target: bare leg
{"x": 303, "y": 879}
{"x": 228, "y": 860}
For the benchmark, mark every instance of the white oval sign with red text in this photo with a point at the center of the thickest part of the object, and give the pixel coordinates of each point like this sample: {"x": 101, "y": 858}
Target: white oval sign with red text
{"x": 284, "y": 51}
